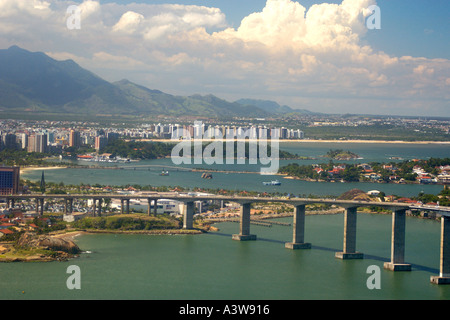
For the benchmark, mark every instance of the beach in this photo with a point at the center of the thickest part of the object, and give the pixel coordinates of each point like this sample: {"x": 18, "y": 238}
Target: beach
{"x": 27, "y": 169}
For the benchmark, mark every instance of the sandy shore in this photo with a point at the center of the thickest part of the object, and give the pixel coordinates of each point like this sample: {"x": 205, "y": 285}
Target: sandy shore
{"x": 69, "y": 235}
{"x": 27, "y": 169}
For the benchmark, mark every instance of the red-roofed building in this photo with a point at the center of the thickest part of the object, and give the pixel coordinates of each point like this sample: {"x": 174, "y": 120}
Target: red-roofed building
{"x": 5, "y": 232}
{"x": 6, "y": 225}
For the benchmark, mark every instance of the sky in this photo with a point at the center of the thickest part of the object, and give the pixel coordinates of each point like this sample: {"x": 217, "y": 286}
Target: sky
{"x": 307, "y": 54}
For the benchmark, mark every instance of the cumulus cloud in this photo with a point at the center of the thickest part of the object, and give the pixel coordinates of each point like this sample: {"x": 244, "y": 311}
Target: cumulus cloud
{"x": 307, "y": 58}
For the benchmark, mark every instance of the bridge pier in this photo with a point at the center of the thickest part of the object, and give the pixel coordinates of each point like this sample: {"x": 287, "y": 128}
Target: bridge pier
{"x": 444, "y": 265}
{"x": 155, "y": 209}
{"x": 39, "y": 206}
{"x": 10, "y": 203}
{"x": 149, "y": 207}
{"x": 68, "y": 205}
{"x": 244, "y": 225}
{"x": 398, "y": 243}
{"x": 298, "y": 230}
{"x": 100, "y": 202}
{"x": 127, "y": 201}
{"x": 349, "y": 248}
{"x": 97, "y": 211}
{"x": 188, "y": 219}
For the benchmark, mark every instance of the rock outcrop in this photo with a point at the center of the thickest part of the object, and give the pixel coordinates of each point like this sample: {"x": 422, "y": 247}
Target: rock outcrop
{"x": 48, "y": 243}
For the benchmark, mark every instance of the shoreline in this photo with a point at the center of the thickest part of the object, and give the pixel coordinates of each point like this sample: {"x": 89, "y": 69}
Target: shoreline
{"x": 307, "y": 141}
{"x": 27, "y": 169}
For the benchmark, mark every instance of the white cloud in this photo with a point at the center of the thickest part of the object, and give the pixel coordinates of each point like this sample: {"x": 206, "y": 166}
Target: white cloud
{"x": 308, "y": 58}
{"x": 129, "y": 22}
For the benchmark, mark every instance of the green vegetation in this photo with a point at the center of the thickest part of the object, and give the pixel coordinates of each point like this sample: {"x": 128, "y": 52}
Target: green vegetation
{"x": 10, "y": 157}
{"x": 443, "y": 198}
{"x": 383, "y": 172}
{"x": 341, "y": 155}
{"x": 138, "y": 149}
{"x": 130, "y": 222}
{"x": 153, "y": 150}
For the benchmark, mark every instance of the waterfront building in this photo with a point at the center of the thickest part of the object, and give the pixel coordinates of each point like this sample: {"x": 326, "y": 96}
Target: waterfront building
{"x": 9, "y": 180}
{"x": 112, "y": 136}
{"x": 74, "y": 139}
{"x": 24, "y": 141}
{"x": 9, "y": 141}
{"x": 100, "y": 142}
{"x": 30, "y": 144}
{"x": 37, "y": 143}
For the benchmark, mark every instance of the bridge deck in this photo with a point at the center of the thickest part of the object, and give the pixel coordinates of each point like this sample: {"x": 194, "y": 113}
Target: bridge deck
{"x": 239, "y": 199}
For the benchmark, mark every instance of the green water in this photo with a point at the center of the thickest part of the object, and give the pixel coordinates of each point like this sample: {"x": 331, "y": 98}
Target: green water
{"x": 147, "y": 172}
{"x": 213, "y": 266}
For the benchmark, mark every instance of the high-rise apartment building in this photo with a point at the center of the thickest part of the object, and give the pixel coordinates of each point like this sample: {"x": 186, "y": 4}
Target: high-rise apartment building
{"x": 9, "y": 180}
{"x": 37, "y": 143}
{"x": 100, "y": 142}
{"x": 74, "y": 139}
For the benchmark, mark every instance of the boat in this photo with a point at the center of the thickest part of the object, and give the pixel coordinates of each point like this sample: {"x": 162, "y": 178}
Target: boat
{"x": 272, "y": 183}
{"x": 164, "y": 173}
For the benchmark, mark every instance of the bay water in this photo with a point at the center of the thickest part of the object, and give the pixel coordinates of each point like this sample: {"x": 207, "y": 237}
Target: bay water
{"x": 213, "y": 266}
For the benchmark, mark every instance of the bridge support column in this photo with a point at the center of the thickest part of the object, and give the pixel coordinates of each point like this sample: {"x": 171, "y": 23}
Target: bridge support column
{"x": 149, "y": 208}
{"x": 94, "y": 207}
{"x": 36, "y": 203}
{"x": 122, "y": 203}
{"x": 127, "y": 201}
{"x": 244, "y": 232}
{"x": 68, "y": 206}
{"x": 398, "y": 243}
{"x": 99, "y": 212}
{"x": 41, "y": 212}
{"x": 188, "y": 219}
{"x": 299, "y": 230}
{"x": 155, "y": 208}
{"x": 349, "y": 250}
{"x": 65, "y": 206}
{"x": 444, "y": 274}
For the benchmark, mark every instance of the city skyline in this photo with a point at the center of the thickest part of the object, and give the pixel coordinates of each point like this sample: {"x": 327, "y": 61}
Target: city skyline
{"x": 307, "y": 54}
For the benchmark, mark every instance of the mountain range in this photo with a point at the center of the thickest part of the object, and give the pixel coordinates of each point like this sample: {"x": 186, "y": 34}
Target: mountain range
{"x": 35, "y": 82}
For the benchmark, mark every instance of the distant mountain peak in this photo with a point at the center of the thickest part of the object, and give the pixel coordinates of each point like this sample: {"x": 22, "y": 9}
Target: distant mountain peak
{"x": 15, "y": 47}
{"x": 35, "y": 79}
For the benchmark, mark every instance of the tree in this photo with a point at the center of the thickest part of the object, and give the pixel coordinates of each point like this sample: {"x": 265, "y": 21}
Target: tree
{"x": 351, "y": 174}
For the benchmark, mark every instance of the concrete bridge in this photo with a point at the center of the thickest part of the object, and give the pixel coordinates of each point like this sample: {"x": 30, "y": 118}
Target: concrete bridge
{"x": 349, "y": 251}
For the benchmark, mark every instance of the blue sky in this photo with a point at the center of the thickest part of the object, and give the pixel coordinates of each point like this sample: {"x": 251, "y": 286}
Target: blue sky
{"x": 415, "y": 27}
{"x": 308, "y": 54}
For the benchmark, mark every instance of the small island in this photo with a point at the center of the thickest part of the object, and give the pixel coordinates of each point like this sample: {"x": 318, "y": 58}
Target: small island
{"x": 341, "y": 155}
